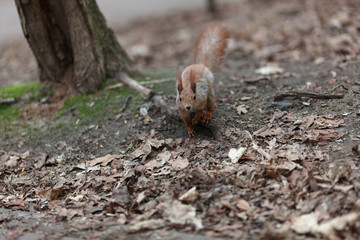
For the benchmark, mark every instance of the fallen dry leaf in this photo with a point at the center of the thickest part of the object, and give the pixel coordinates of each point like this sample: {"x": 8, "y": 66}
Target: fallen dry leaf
{"x": 68, "y": 213}
{"x": 338, "y": 223}
{"x": 246, "y": 98}
{"x": 104, "y": 160}
{"x": 78, "y": 198}
{"x": 40, "y": 160}
{"x": 323, "y": 135}
{"x": 322, "y": 122}
{"x": 151, "y": 224}
{"x": 345, "y": 189}
{"x": 143, "y": 150}
{"x": 178, "y": 213}
{"x": 55, "y": 191}
{"x": 287, "y": 166}
{"x": 304, "y": 223}
{"x": 235, "y": 154}
{"x": 241, "y": 109}
{"x": 164, "y": 156}
{"x": 18, "y": 202}
{"x": 24, "y": 155}
{"x": 295, "y": 152}
{"x": 156, "y": 142}
{"x": 179, "y": 163}
{"x": 269, "y": 70}
{"x": 242, "y": 204}
{"x": 269, "y": 132}
{"x": 356, "y": 150}
{"x": 141, "y": 196}
{"x": 12, "y": 161}
{"x": 308, "y": 223}
{"x": 190, "y": 195}
{"x": 159, "y": 161}
{"x": 152, "y": 164}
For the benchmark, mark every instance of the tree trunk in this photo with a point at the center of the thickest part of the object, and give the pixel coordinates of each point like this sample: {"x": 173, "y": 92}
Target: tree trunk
{"x": 72, "y": 44}
{"x": 211, "y": 5}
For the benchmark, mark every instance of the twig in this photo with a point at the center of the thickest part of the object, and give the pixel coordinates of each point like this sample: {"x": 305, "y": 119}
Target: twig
{"x": 8, "y": 100}
{"x": 126, "y": 101}
{"x": 133, "y": 84}
{"x": 300, "y": 94}
{"x": 157, "y": 81}
{"x": 145, "y": 92}
{"x": 117, "y": 85}
{"x": 257, "y": 148}
{"x": 254, "y": 80}
{"x": 339, "y": 86}
{"x": 249, "y": 81}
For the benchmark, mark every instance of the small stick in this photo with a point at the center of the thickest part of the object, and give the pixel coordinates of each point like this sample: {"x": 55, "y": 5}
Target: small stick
{"x": 126, "y": 101}
{"x": 125, "y": 104}
{"x": 157, "y": 81}
{"x": 133, "y": 84}
{"x": 339, "y": 86}
{"x": 144, "y": 91}
{"x": 8, "y": 100}
{"x": 254, "y": 80}
{"x": 257, "y": 148}
{"x": 300, "y": 94}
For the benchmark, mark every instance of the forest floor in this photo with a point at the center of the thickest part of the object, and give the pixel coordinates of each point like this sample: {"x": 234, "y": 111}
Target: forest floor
{"x": 279, "y": 160}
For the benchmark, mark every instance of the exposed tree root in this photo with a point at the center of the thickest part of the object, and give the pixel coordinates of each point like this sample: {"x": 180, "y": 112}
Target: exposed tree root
{"x": 147, "y": 93}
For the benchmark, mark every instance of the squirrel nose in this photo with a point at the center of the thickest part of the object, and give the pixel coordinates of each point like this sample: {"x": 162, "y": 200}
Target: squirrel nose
{"x": 188, "y": 107}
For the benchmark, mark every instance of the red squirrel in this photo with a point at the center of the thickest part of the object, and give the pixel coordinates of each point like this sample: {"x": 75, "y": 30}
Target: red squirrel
{"x": 195, "y": 91}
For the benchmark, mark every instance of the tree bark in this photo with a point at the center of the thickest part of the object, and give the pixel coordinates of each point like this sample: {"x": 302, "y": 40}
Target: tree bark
{"x": 72, "y": 44}
{"x": 211, "y": 5}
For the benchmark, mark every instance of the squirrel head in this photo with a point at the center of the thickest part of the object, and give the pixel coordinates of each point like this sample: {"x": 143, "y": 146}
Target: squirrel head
{"x": 186, "y": 97}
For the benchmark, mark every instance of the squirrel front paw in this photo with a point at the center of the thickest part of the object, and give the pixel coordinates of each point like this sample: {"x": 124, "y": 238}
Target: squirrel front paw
{"x": 191, "y": 132}
{"x": 196, "y": 118}
{"x": 207, "y": 117}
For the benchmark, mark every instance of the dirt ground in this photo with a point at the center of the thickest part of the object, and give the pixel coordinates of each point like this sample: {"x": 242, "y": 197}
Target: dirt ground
{"x": 280, "y": 159}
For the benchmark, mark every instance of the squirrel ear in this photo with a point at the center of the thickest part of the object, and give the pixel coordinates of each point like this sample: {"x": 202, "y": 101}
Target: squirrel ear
{"x": 193, "y": 80}
{"x": 179, "y": 82}
{"x": 193, "y": 86}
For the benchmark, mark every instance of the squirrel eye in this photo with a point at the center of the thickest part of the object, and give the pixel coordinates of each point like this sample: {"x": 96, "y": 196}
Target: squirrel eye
{"x": 180, "y": 99}
{"x": 194, "y": 97}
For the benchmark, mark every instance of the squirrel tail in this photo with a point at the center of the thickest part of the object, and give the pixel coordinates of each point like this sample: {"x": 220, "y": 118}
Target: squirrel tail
{"x": 210, "y": 46}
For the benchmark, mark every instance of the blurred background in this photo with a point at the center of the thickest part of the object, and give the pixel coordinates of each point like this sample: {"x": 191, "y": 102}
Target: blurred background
{"x": 159, "y": 35}
{"x": 15, "y": 53}
{"x": 116, "y": 12}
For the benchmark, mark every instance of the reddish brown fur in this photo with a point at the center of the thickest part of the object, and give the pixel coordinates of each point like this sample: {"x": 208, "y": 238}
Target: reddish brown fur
{"x": 179, "y": 82}
{"x": 210, "y": 46}
{"x": 195, "y": 91}
{"x": 193, "y": 80}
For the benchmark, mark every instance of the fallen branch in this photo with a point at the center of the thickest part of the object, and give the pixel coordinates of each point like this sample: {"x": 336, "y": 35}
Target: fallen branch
{"x": 157, "y": 81}
{"x": 300, "y": 95}
{"x": 157, "y": 100}
{"x": 133, "y": 84}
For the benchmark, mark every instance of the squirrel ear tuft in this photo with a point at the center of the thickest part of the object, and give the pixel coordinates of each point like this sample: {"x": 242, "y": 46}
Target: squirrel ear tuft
{"x": 179, "y": 82}
{"x": 193, "y": 86}
{"x": 193, "y": 80}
